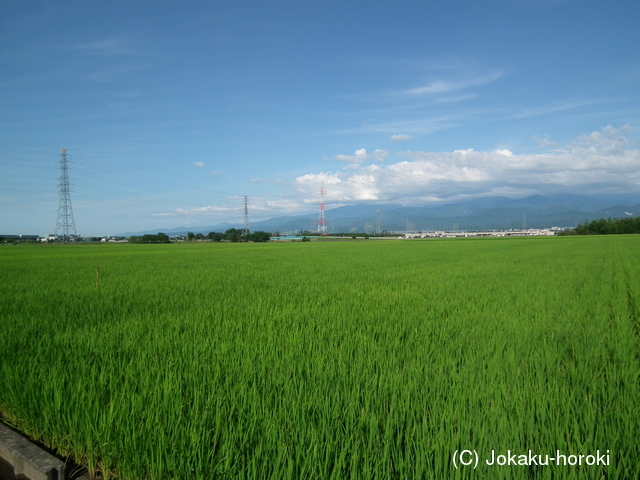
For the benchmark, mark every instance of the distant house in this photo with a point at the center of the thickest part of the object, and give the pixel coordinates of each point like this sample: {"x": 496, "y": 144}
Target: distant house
{"x": 114, "y": 239}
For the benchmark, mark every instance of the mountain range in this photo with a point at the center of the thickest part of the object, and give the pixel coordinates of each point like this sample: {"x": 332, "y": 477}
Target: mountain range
{"x": 490, "y": 213}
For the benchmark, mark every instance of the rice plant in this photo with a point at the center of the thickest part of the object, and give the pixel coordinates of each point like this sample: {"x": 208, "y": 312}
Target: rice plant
{"x": 362, "y": 360}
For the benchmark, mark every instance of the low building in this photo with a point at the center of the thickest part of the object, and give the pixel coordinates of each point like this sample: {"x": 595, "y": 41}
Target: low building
{"x": 21, "y": 238}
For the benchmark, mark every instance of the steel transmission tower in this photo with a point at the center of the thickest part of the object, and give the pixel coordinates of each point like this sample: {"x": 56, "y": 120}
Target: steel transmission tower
{"x": 378, "y": 224}
{"x": 66, "y": 225}
{"x": 410, "y": 227}
{"x": 322, "y": 222}
{"x": 245, "y": 228}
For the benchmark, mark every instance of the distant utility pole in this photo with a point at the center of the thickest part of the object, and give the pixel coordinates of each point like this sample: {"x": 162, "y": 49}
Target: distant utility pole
{"x": 409, "y": 227}
{"x": 66, "y": 225}
{"x": 245, "y": 228}
{"x": 322, "y": 222}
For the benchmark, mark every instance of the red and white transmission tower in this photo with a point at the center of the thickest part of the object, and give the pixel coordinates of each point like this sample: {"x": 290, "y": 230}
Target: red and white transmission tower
{"x": 322, "y": 223}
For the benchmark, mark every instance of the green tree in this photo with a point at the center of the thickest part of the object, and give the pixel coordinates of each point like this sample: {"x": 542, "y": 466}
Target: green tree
{"x": 607, "y": 227}
{"x": 233, "y": 235}
{"x": 191, "y": 236}
{"x": 260, "y": 236}
{"x": 148, "y": 238}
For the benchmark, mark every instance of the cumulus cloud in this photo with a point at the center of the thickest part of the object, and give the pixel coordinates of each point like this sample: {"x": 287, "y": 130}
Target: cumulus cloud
{"x": 401, "y": 138}
{"x": 506, "y": 153}
{"x": 595, "y": 163}
{"x": 361, "y": 156}
{"x": 609, "y": 141}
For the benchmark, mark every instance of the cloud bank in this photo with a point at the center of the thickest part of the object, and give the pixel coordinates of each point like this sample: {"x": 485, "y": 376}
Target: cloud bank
{"x": 598, "y": 163}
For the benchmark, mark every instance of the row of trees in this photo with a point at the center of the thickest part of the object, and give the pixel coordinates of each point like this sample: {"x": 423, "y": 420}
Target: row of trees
{"x": 606, "y": 227}
{"x": 231, "y": 235}
{"x": 235, "y": 235}
{"x": 159, "y": 238}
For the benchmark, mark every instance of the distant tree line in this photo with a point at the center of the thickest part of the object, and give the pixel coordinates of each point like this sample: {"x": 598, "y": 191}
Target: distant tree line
{"x": 606, "y": 227}
{"x": 235, "y": 235}
{"x": 231, "y": 235}
{"x": 195, "y": 236}
{"x": 159, "y": 238}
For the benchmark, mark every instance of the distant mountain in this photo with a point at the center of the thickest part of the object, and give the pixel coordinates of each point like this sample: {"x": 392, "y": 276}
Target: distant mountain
{"x": 491, "y": 213}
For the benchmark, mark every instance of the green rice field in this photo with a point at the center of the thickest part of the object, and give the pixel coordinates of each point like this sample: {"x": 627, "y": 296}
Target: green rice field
{"x": 328, "y": 360}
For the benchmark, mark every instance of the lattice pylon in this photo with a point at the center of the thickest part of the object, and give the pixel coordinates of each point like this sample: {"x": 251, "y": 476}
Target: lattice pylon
{"x": 322, "y": 222}
{"x": 245, "y": 228}
{"x": 66, "y": 225}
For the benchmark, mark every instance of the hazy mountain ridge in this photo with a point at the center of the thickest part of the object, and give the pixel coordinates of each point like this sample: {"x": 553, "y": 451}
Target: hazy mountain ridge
{"x": 491, "y": 213}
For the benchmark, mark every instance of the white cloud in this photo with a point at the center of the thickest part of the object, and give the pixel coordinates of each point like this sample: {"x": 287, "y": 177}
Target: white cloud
{"x": 418, "y": 126}
{"x": 544, "y": 142}
{"x": 435, "y": 87}
{"x": 379, "y": 155}
{"x": 506, "y": 153}
{"x": 559, "y": 106}
{"x": 199, "y": 164}
{"x": 281, "y": 205}
{"x": 610, "y": 141}
{"x": 595, "y": 163}
{"x": 360, "y": 156}
{"x": 208, "y": 209}
{"x": 469, "y": 80}
{"x": 401, "y": 138}
{"x": 454, "y": 98}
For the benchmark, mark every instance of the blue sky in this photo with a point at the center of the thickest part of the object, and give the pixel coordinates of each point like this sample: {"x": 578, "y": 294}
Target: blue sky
{"x": 173, "y": 111}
